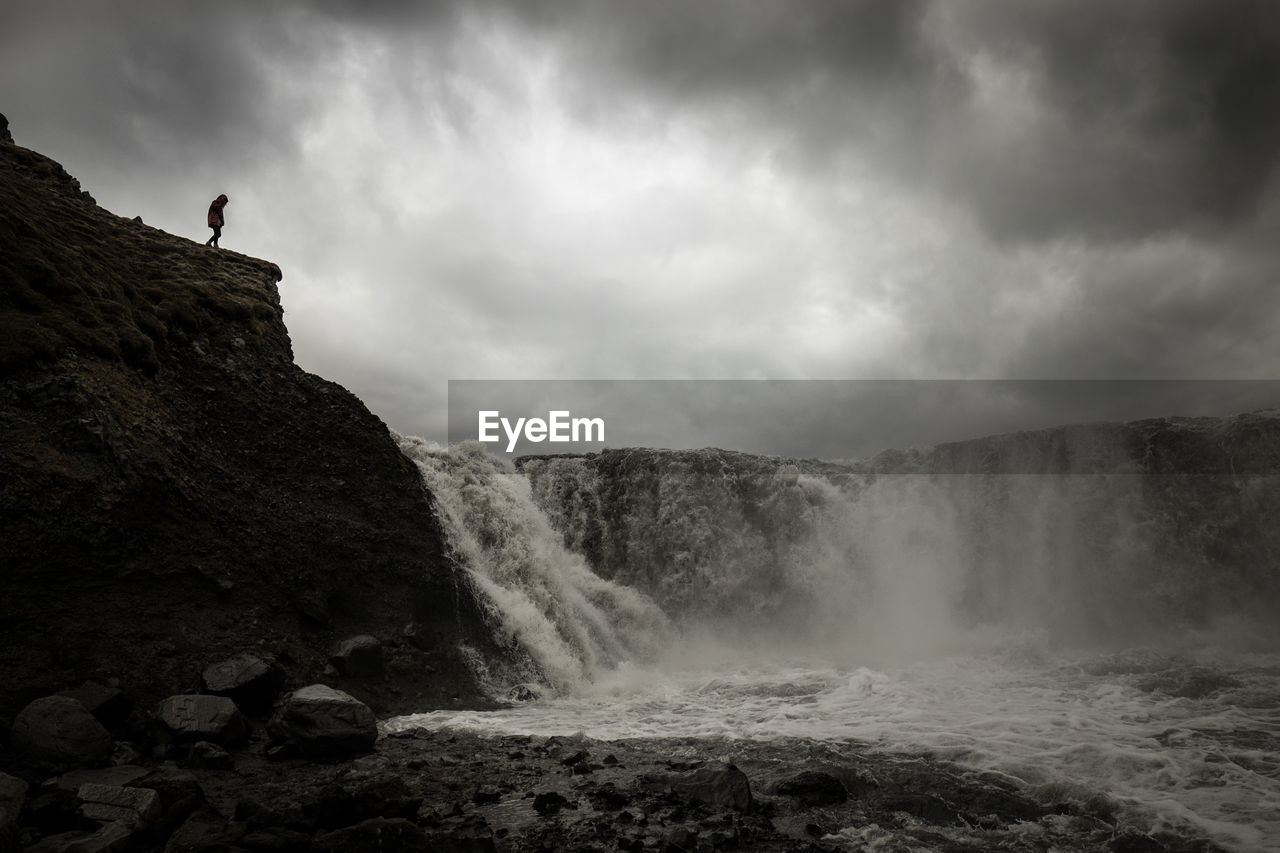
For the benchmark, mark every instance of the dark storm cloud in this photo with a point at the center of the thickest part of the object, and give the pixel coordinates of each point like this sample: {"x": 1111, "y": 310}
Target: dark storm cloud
{"x": 1151, "y": 116}
{"x": 1157, "y": 116}
{"x": 154, "y": 80}
{"x": 727, "y": 189}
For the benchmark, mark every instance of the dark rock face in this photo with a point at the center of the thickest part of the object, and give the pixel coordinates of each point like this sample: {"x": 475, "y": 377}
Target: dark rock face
{"x": 322, "y": 722}
{"x": 175, "y": 490}
{"x": 58, "y": 729}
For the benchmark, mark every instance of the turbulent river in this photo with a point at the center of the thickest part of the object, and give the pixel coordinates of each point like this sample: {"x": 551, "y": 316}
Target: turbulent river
{"x": 1176, "y": 730}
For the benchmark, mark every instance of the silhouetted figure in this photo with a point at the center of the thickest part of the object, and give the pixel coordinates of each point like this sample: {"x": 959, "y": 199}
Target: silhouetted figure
{"x": 216, "y": 220}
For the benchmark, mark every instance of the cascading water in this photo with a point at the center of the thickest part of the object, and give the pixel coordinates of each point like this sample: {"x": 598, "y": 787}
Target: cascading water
{"x": 1057, "y": 630}
{"x": 566, "y": 622}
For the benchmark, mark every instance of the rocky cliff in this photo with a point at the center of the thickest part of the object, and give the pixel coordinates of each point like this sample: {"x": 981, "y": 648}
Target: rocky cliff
{"x": 175, "y": 490}
{"x": 1093, "y": 532}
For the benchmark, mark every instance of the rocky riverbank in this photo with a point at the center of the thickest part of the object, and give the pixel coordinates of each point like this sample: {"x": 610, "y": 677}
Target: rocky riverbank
{"x": 312, "y": 773}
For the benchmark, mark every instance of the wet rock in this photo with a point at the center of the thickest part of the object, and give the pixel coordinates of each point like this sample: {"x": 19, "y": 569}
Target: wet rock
{"x": 721, "y": 787}
{"x": 679, "y": 839}
{"x": 251, "y": 682}
{"x": 466, "y": 834}
{"x": 524, "y": 693}
{"x": 322, "y": 722}
{"x": 107, "y": 704}
{"x": 351, "y": 799}
{"x": 812, "y": 788}
{"x": 209, "y": 756}
{"x": 1131, "y": 841}
{"x": 60, "y": 730}
{"x": 194, "y": 717}
{"x": 549, "y": 802}
{"x": 1195, "y": 682}
{"x": 358, "y": 657}
{"x": 579, "y": 757}
{"x": 375, "y": 835}
{"x": 132, "y": 807}
{"x": 929, "y": 808}
{"x": 486, "y": 794}
{"x": 608, "y": 798}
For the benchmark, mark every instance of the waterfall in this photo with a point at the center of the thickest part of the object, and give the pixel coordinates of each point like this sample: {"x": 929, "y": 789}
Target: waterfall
{"x": 564, "y": 621}
{"x": 588, "y": 562}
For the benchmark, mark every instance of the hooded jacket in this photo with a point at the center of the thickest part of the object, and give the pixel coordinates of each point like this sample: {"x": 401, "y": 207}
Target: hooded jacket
{"x": 215, "y": 211}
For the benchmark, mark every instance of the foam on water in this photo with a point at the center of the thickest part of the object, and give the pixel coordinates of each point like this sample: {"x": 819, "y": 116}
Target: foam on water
{"x": 891, "y": 623}
{"x": 1208, "y": 765}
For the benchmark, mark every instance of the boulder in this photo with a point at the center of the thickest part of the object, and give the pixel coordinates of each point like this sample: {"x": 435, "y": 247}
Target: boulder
{"x": 549, "y": 802}
{"x": 358, "y": 657}
{"x": 251, "y": 682}
{"x": 107, "y": 704}
{"x": 375, "y": 835}
{"x": 724, "y": 787}
{"x": 321, "y": 722}
{"x": 195, "y": 717}
{"x": 814, "y": 788}
{"x": 59, "y": 729}
{"x": 131, "y": 806}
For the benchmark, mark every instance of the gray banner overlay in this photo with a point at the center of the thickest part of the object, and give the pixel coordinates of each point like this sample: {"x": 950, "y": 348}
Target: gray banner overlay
{"x": 819, "y": 419}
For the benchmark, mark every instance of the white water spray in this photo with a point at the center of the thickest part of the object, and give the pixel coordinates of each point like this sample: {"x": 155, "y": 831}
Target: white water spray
{"x": 543, "y": 599}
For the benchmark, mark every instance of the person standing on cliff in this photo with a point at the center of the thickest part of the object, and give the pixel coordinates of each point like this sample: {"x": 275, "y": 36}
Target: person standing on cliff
{"x": 216, "y": 219}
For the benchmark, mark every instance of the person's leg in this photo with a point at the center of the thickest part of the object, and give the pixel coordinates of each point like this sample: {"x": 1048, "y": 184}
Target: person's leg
{"x": 217, "y": 232}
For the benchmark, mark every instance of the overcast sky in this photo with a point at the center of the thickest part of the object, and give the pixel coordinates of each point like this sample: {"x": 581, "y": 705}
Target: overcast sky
{"x": 696, "y": 189}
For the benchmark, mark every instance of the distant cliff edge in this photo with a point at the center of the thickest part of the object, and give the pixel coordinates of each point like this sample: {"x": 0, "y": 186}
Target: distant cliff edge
{"x": 1097, "y": 533}
{"x": 174, "y": 490}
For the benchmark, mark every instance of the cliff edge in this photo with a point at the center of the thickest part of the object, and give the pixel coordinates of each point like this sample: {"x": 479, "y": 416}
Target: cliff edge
{"x": 174, "y": 490}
